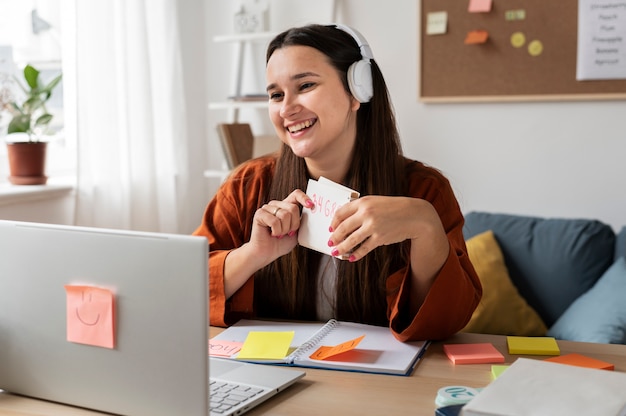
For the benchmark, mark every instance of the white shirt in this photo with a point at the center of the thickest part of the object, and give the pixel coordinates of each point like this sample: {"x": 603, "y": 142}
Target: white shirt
{"x": 326, "y": 284}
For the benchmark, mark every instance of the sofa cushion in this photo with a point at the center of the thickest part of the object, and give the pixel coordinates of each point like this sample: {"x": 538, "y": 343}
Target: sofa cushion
{"x": 501, "y": 309}
{"x": 599, "y": 315}
{"x": 620, "y": 244}
{"x": 551, "y": 261}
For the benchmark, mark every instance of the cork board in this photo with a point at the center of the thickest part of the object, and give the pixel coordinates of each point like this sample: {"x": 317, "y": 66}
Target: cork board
{"x": 452, "y": 71}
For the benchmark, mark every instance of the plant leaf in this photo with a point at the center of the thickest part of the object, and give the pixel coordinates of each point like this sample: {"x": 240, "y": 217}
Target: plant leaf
{"x": 32, "y": 104}
{"x": 43, "y": 119}
{"x": 19, "y": 124}
{"x": 51, "y": 85}
{"x": 31, "y": 75}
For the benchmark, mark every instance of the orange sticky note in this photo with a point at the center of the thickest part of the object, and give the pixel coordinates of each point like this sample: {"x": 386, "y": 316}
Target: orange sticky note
{"x": 219, "y": 348}
{"x": 476, "y": 37}
{"x": 479, "y": 6}
{"x": 90, "y": 316}
{"x": 325, "y": 352}
{"x": 480, "y": 353}
{"x": 579, "y": 360}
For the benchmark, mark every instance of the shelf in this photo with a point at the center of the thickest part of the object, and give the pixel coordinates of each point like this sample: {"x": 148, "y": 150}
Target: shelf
{"x": 239, "y": 37}
{"x": 237, "y": 105}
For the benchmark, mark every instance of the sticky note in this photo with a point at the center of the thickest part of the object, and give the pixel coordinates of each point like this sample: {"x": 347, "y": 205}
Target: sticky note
{"x": 473, "y": 353}
{"x": 90, "y": 315}
{"x": 436, "y": 23}
{"x": 581, "y": 361}
{"x": 219, "y": 348}
{"x": 476, "y": 37}
{"x": 533, "y": 345}
{"x": 325, "y": 352}
{"x": 511, "y": 15}
{"x": 266, "y": 345}
{"x": 496, "y": 370}
{"x": 479, "y": 6}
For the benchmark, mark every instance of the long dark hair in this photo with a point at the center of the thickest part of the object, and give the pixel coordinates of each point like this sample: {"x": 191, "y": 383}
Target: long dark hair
{"x": 287, "y": 288}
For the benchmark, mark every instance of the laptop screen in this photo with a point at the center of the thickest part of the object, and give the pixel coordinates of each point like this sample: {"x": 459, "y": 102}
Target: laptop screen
{"x": 104, "y": 319}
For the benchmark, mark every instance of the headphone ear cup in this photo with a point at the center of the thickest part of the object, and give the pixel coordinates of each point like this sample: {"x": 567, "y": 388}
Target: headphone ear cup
{"x": 360, "y": 81}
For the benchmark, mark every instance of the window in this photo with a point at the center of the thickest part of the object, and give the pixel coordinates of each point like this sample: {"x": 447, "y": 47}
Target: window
{"x": 30, "y": 33}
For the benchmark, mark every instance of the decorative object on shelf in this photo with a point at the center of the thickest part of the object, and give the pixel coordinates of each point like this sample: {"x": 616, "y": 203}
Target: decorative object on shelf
{"x": 29, "y": 123}
{"x": 252, "y": 16}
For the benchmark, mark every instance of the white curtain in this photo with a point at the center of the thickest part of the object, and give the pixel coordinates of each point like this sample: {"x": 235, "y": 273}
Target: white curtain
{"x": 131, "y": 115}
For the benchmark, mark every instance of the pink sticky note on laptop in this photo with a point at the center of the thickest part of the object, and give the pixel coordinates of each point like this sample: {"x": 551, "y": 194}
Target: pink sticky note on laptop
{"x": 90, "y": 316}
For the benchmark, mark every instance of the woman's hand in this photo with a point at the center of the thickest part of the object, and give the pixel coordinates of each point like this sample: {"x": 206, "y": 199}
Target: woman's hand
{"x": 275, "y": 226}
{"x": 274, "y": 233}
{"x": 372, "y": 221}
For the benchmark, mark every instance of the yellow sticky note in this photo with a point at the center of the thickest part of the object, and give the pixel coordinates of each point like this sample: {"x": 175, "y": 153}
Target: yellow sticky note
{"x": 533, "y": 345}
{"x": 90, "y": 316}
{"x": 266, "y": 345}
{"x": 479, "y": 6}
{"x": 325, "y": 352}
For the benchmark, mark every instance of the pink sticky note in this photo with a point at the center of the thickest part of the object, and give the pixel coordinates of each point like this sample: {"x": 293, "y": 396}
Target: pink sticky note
{"x": 90, "y": 316}
{"x": 220, "y": 348}
{"x": 479, "y": 6}
{"x": 473, "y": 353}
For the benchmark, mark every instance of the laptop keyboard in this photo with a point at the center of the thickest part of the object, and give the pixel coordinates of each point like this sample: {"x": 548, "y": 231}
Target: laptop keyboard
{"x": 225, "y": 396}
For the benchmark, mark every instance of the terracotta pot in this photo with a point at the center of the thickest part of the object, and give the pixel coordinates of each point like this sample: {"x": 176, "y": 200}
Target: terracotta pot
{"x": 27, "y": 163}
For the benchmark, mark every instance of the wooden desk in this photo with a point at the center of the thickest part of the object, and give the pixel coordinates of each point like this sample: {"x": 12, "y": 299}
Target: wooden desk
{"x": 326, "y": 392}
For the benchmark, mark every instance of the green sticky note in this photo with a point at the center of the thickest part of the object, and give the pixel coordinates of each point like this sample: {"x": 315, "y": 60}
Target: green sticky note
{"x": 533, "y": 345}
{"x": 266, "y": 345}
{"x": 496, "y": 370}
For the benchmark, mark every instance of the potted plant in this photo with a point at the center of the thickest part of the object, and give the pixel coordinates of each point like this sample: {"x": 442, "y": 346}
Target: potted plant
{"x": 27, "y": 152}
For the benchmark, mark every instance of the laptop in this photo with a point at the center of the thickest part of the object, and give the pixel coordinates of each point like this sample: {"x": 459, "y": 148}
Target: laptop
{"x": 115, "y": 321}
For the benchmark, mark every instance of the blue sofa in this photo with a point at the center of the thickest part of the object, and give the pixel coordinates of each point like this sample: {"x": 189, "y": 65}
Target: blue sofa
{"x": 572, "y": 272}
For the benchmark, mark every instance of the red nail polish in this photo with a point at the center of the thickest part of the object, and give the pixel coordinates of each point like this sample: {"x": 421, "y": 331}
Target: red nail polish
{"x": 292, "y": 233}
{"x": 309, "y": 203}
{"x": 334, "y": 253}
{"x": 352, "y": 259}
{"x": 330, "y": 243}
{"x": 330, "y": 229}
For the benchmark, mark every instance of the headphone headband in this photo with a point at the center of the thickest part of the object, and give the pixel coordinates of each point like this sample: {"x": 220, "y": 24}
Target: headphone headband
{"x": 366, "y": 51}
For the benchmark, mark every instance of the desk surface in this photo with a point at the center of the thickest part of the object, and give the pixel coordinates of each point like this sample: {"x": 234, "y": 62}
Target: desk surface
{"x": 337, "y": 392}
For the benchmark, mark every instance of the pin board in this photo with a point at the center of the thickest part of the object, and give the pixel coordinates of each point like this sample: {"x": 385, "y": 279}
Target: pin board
{"x": 510, "y": 50}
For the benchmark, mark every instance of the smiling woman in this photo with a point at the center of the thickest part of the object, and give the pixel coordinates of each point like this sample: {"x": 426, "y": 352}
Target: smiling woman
{"x": 402, "y": 239}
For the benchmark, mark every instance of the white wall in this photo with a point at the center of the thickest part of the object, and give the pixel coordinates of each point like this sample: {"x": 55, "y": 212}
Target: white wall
{"x": 562, "y": 159}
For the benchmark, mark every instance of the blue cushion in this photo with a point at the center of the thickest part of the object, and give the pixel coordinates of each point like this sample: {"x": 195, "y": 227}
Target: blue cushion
{"x": 551, "y": 261}
{"x": 620, "y": 243}
{"x": 600, "y": 314}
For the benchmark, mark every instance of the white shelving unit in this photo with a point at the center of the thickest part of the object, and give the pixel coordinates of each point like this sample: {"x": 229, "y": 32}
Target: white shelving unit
{"x": 240, "y": 42}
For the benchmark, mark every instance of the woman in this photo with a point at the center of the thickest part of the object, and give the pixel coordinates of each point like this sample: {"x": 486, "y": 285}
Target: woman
{"x": 408, "y": 266}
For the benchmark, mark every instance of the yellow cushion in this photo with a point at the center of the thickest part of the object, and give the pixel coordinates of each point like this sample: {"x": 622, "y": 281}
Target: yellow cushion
{"x": 502, "y": 310}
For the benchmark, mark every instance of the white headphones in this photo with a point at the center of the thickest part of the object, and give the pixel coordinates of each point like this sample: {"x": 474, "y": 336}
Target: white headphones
{"x": 360, "y": 72}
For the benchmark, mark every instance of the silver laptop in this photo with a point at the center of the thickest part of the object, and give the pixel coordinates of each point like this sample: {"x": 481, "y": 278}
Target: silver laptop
{"x": 114, "y": 321}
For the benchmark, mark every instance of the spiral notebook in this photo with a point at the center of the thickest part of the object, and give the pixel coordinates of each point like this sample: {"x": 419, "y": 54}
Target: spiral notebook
{"x": 378, "y": 351}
